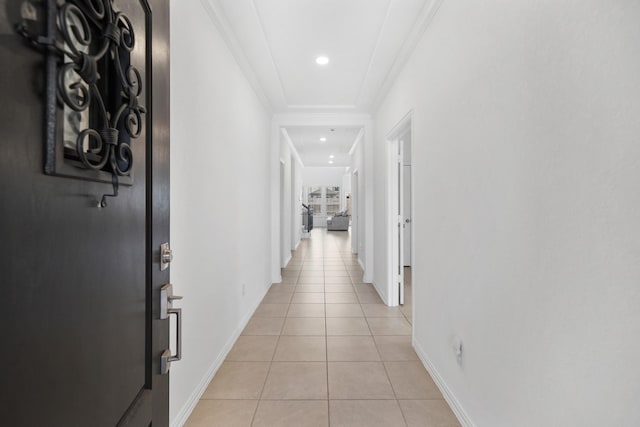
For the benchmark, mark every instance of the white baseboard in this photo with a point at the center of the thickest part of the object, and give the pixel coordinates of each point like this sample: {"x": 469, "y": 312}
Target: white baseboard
{"x": 287, "y": 260}
{"x": 366, "y": 276}
{"x": 191, "y": 403}
{"x": 381, "y": 295}
{"x": 451, "y": 399}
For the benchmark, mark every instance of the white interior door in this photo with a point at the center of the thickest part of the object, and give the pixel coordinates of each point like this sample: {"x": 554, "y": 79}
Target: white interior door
{"x": 295, "y": 207}
{"x": 400, "y": 222}
{"x": 399, "y": 151}
{"x": 397, "y": 218}
{"x": 407, "y": 215}
{"x": 355, "y": 235}
{"x": 283, "y": 241}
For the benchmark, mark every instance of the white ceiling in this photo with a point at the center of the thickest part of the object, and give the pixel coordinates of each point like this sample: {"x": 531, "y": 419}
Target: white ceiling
{"x": 278, "y": 41}
{"x": 313, "y": 152}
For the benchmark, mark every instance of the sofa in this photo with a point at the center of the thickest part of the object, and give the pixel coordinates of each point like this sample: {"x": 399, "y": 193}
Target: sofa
{"x": 338, "y": 222}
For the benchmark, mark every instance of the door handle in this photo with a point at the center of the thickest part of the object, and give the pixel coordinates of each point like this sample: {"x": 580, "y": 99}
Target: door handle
{"x": 166, "y": 310}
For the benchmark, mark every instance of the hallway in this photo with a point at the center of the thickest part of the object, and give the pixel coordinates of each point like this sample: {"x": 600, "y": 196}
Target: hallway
{"x": 322, "y": 349}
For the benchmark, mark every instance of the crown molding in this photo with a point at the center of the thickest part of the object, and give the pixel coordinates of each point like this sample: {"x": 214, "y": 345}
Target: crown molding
{"x": 374, "y": 53}
{"x": 222, "y": 25}
{"x": 424, "y": 19}
{"x": 356, "y": 141}
{"x": 291, "y": 146}
{"x": 270, "y": 52}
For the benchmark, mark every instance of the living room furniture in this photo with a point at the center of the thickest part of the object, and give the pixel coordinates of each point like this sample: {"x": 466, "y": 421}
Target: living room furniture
{"x": 338, "y": 222}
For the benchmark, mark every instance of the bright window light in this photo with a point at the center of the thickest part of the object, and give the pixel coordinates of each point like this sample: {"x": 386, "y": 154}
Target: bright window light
{"x": 330, "y": 162}
{"x": 331, "y": 156}
{"x": 322, "y": 60}
{"x": 323, "y": 139}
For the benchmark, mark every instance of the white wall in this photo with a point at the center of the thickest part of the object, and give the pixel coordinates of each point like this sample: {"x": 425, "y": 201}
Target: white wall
{"x": 345, "y": 188}
{"x": 357, "y": 218}
{"x": 296, "y": 202}
{"x": 526, "y": 160}
{"x": 285, "y": 207}
{"x": 290, "y": 226}
{"x": 328, "y": 176}
{"x": 219, "y": 240}
{"x": 292, "y": 188}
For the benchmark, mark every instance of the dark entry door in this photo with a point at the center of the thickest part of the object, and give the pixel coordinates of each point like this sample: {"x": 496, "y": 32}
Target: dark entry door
{"x": 80, "y": 280}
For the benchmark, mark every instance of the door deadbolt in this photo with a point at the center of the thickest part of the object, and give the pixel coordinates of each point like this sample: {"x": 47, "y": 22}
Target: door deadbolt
{"x": 166, "y": 256}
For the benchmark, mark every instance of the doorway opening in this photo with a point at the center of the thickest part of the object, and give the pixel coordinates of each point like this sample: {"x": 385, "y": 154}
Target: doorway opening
{"x": 296, "y": 218}
{"x": 355, "y": 222}
{"x": 400, "y": 212}
{"x": 407, "y": 229}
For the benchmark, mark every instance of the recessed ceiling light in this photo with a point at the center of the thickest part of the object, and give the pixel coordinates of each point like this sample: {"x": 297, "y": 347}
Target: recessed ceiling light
{"x": 330, "y": 162}
{"x": 322, "y": 60}
{"x": 323, "y": 139}
{"x": 331, "y": 156}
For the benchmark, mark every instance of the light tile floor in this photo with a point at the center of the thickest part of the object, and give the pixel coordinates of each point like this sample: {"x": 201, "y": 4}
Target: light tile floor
{"x": 322, "y": 349}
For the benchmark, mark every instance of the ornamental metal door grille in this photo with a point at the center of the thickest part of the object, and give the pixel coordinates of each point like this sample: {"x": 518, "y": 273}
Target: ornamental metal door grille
{"x": 95, "y": 93}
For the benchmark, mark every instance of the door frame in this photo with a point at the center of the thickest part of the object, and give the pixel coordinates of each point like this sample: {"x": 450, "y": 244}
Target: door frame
{"x": 158, "y": 205}
{"x": 156, "y": 392}
{"x": 395, "y": 208}
{"x": 410, "y": 194}
{"x": 285, "y": 249}
{"x": 355, "y": 205}
{"x": 295, "y": 206}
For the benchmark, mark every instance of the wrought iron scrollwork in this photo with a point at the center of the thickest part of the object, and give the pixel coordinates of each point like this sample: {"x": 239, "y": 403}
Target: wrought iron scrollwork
{"x": 93, "y": 43}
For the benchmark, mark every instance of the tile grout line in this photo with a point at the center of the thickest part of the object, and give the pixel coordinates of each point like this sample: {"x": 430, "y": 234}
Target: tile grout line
{"x": 326, "y": 343}
{"x": 253, "y": 419}
{"x": 384, "y": 366}
{"x": 324, "y": 294}
{"x": 268, "y": 372}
